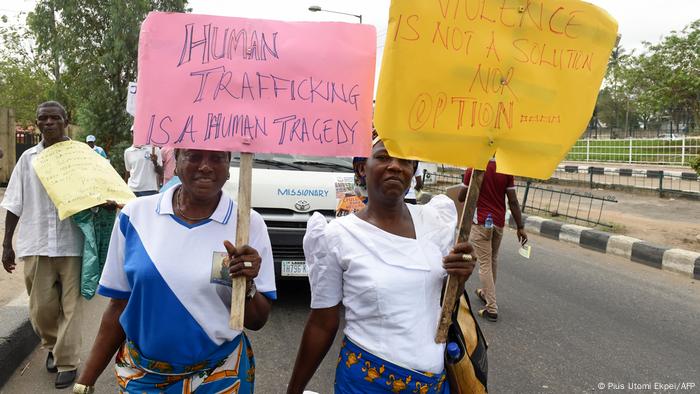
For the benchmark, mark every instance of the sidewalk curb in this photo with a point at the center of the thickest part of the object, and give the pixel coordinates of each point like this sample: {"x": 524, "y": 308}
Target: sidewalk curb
{"x": 17, "y": 337}
{"x": 622, "y": 171}
{"x": 679, "y": 261}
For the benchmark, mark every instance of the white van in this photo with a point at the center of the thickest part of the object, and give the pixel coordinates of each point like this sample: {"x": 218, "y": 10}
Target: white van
{"x": 287, "y": 190}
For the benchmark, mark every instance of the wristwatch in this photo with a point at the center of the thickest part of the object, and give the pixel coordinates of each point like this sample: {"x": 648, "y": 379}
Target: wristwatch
{"x": 251, "y": 291}
{"x": 83, "y": 389}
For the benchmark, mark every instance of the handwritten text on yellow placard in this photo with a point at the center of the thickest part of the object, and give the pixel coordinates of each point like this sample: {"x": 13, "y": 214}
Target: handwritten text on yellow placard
{"x": 462, "y": 80}
{"x": 77, "y": 178}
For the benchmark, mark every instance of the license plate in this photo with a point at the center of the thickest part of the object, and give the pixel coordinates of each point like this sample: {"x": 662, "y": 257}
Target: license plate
{"x": 294, "y": 268}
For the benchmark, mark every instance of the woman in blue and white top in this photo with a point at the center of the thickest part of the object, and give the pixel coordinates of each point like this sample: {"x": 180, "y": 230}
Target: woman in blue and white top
{"x": 170, "y": 298}
{"x": 386, "y": 264}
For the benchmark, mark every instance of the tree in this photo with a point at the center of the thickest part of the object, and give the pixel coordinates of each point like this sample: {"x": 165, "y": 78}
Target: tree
{"x": 670, "y": 73}
{"x": 644, "y": 103}
{"x": 23, "y": 80}
{"x": 93, "y": 46}
{"x": 22, "y": 89}
{"x": 660, "y": 86}
{"x": 617, "y": 89}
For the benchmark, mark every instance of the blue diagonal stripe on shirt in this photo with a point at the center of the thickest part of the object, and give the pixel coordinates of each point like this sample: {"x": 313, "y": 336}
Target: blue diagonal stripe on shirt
{"x": 154, "y": 317}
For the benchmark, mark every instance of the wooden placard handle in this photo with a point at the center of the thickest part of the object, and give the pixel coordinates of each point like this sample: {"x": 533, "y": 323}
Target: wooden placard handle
{"x": 452, "y": 290}
{"x": 245, "y": 177}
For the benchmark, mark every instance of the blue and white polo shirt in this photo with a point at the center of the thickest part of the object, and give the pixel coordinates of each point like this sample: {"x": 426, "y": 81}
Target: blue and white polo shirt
{"x": 163, "y": 266}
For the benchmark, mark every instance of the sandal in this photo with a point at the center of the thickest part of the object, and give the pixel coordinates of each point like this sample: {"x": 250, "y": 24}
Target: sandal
{"x": 490, "y": 316}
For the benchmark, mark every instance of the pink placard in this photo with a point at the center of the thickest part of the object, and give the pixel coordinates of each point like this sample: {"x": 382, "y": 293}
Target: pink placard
{"x": 251, "y": 85}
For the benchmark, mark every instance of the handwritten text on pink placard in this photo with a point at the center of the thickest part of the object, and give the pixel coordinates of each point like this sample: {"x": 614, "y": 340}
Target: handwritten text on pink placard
{"x": 253, "y": 85}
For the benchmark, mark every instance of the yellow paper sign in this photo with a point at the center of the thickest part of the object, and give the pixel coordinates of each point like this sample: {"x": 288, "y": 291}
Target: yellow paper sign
{"x": 77, "y": 178}
{"x": 462, "y": 80}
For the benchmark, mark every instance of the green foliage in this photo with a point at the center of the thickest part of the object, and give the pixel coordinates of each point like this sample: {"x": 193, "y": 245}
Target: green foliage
{"x": 23, "y": 81}
{"x": 22, "y": 90}
{"x": 658, "y": 86}
{"x": 92, "y": 47}
{"x": 695, "y": 164}
{"x": 643, "y": 150}
{"x": 116, "y": 155}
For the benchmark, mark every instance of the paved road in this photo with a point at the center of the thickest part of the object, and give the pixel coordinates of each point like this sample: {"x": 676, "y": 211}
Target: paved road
{"x": 570, "y": 320}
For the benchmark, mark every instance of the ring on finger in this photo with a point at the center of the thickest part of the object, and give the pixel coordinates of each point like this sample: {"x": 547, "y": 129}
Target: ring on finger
{"x": 467, "y": 257}
{"x": 247, "y": 264}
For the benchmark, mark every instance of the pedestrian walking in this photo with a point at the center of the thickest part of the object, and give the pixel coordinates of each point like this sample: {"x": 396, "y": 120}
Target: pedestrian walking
{"x": 386, "y": 264}
{"x": 487, "y": 231}
{"x": 168, "y": 317}
{"x": 90, "y": 140}
{"x": 144, "y": 169}
{"x": 49, "y": 249}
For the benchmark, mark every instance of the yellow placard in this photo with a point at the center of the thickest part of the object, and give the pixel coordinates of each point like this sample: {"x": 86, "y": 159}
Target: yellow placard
{"x": 462, "y": 80}
{"x": 77, "y": 178}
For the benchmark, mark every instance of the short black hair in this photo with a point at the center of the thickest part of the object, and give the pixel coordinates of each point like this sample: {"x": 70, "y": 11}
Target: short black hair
{"x": 52, "y": 104}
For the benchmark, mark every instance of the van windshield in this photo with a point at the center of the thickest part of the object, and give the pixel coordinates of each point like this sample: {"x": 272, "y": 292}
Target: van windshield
{"x": 297, "y": 162}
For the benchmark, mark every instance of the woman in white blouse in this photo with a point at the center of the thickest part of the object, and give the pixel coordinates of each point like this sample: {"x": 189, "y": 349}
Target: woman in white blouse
{"x": 386, "y": 265}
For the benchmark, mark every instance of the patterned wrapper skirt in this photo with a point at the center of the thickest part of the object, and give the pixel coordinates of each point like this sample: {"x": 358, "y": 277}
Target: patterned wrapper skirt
{"x": 360, "y": 371}
{"x": 234, "y": 373}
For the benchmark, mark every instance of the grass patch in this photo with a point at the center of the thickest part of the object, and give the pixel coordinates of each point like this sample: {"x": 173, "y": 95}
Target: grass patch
{"x": 648, "y": 151}
{"x": 616, "y": 228}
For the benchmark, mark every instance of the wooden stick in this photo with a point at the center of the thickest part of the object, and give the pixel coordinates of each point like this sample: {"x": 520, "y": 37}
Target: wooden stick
{"x": 245, "y": 176}
{"x": 452, "y": 290}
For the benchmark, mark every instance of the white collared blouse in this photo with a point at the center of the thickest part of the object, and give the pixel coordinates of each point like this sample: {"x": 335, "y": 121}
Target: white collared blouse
{"x": 389, "y": 285}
